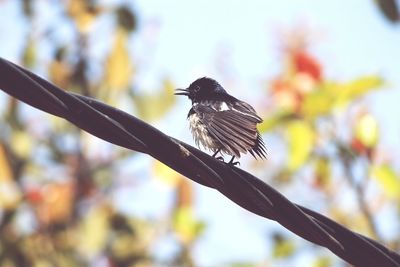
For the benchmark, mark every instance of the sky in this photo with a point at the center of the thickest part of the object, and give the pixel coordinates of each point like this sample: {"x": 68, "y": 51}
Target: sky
{"x": 353, "y": 39}
{"x": 185, "y": 39}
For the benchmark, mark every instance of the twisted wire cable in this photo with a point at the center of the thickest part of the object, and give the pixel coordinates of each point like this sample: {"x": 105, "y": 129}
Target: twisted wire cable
{"x": 246, "y": 190}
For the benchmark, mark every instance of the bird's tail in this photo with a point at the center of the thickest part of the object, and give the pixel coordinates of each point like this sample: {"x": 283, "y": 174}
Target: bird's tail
{"x": 259, "y": 150}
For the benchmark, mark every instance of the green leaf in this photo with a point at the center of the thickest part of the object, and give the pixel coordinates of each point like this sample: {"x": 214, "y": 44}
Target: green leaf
{"x": 322, "y": 172}
{"x": 186, "y": 225}
{"x": 283, "y": 247}
{"x": 317, "y": 103}
{"x": 93, "y": 231}
{"x": 388, "y": 180}
{"x": 154, "y": 106}
{"x": 342, "y": 94}
{"x": 366, "y": 130}
{"x": 300, "y": 136}
{"x": 6, "y": 173}
{"x": 30, "y": 54}
{"x": 322, "y": 262}
{"x": 274, "y": 121}
{"x": 119, "y": 67}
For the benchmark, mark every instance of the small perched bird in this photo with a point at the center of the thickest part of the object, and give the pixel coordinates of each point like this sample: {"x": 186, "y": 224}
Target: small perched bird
{"x": 221, "y": 122}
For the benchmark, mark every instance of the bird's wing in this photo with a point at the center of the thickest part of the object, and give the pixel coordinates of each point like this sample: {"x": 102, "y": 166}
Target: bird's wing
{"x": 246, "y": 109}
{"x": 259, "y": 147}
{"x": 236, "y": 131}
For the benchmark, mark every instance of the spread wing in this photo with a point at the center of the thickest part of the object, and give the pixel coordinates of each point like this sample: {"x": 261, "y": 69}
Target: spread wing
{"x": 234, "y": 129}
{"x": 246, "y": 109}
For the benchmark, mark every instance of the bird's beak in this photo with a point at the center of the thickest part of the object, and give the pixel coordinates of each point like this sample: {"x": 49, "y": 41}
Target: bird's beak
{"x": 182, "y": 92}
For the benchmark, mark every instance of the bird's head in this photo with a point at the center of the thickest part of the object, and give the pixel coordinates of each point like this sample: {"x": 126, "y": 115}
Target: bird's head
{"x": 203, "y": 89}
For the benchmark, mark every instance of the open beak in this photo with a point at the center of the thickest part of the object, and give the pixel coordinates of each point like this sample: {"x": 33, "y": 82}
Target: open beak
{"x": 182, "y": 92}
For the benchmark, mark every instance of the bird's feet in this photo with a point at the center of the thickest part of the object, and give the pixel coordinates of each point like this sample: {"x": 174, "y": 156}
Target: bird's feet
{"x": 233, "y": 163}
{"x": 220, "y": 158}
{"x": 215, "y": 153}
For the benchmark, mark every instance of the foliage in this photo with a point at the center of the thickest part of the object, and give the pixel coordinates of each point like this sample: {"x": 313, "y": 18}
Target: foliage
{"x": 328, "y": 130}
{"x": 57, "y": 180}
{"x": 57, "y": 183}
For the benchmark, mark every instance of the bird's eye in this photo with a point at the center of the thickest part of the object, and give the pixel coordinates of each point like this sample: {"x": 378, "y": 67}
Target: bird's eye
{"x": 197, "y": 88}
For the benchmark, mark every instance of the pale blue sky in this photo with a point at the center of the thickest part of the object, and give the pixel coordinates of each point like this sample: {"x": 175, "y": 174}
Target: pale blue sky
{"x": 355, "y": 40}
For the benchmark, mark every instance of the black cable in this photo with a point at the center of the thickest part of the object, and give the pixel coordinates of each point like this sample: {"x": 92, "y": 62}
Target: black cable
{"x": 249, "y": 192}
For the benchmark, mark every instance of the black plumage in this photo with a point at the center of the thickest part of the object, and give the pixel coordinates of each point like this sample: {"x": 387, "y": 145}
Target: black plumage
{"x": 221, "y": 122}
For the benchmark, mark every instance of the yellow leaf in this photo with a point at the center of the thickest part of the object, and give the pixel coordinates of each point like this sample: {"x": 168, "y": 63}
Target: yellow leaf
{"x": 169, "y": 90}
{"x": 185, "y": 224}
{"x": 357, "y": 220}
{"x": 42, "y": 263}
{"x": 165, "y": 173}
{"x": 366, "y": 130}
{"x": 83, "y": 13}
{"x": 283, "y": 248}
{"x": 274, "y": 120}
{"x": 322, "y": 172}
{"x": 93, "y": 231}
{"x": 388, "y": 180}
{"x": 300, "y": 138}
{"x": 10, "y": 195}
{"x": 322, "y": 262}
{"x": 153, "y": 106}
{"x": 122, "y": 245}
{"x": 60, "y": 73}
{"x": 119, "y": 67}
{"x": 5, "y": 169}
{"x": 347, "y": 92}
{"x": 21, "y": 144}
{"x": 184, "y": 194}
{"x": 317, "y": 103}
{"x": 30, "y": 52}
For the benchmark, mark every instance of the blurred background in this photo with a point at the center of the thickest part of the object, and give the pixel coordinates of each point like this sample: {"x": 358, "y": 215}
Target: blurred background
{"x": 324, "y": 75}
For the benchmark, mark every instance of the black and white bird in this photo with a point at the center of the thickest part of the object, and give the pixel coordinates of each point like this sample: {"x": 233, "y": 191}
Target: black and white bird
{"x": 222, "y": 123}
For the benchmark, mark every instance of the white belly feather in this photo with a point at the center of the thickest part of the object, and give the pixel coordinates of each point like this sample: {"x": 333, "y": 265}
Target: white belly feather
{"x": 200, "y": 133}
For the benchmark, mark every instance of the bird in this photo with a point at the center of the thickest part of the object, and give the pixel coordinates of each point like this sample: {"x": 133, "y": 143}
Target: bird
{"x": 222, "y": 123}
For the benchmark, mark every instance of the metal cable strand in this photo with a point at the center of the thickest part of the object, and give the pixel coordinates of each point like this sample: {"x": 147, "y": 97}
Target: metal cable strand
{"x": 249, "y": 192}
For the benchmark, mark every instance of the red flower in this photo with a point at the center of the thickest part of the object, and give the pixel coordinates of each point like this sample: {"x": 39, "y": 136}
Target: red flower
{"x": 306, "y": 63}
